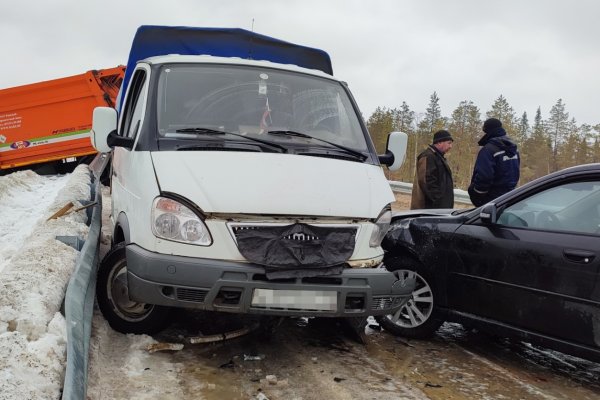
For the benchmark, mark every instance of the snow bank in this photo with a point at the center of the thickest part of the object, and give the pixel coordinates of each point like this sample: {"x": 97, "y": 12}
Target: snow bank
{"x": 33, "y": 283}
{"x": 23, "y": 195}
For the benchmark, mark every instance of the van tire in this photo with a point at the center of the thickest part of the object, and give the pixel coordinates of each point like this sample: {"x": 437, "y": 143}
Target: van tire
{"x": 122, "y": 314}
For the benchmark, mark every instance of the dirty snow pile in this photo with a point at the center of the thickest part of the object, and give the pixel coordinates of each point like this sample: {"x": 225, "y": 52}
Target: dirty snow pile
{"x": 35, "y": 269}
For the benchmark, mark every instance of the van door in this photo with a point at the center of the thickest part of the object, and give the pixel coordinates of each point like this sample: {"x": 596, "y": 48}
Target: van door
{"x": 126, "y": 164}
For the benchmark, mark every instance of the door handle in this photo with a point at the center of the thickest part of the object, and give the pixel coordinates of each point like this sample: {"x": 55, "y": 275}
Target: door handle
{"x": 579, "y": 256}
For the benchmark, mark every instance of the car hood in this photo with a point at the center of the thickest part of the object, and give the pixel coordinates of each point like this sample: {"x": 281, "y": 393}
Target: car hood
{"x": 275, "y": 184}
{"x": 422, "y": 226}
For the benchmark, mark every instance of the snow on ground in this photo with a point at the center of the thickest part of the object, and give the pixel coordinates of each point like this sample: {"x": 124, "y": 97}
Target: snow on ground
{"x": 33, "y": 280}
{"x": 122, "y": 368}
{"x": 120, "y": 365}
{"x": 23, "y": 195}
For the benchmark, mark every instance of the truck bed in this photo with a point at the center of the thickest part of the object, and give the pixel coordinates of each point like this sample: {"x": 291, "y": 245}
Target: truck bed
{"x": 51, "y": 120}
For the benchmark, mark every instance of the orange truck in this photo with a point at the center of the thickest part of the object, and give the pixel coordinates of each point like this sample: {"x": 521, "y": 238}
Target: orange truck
{"x": 46, "y": 125}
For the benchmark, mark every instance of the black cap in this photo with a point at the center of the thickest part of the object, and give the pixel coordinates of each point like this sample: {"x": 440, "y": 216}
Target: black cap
{"x": 491, "y": 124}
{"x": 441, "y": 136}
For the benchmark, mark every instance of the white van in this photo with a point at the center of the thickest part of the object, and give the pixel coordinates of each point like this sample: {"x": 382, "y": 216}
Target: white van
{"x": 243, "y": 186}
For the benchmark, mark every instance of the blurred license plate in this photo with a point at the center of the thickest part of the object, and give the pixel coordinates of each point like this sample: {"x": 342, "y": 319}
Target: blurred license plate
{"x": 320, "y": 300}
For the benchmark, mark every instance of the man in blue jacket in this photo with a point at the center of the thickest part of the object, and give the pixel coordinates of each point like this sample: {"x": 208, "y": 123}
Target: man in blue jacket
{"x": 497, "y": 167}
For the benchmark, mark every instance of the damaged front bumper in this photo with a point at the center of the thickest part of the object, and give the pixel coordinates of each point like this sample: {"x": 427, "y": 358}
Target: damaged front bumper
{"x": 238, "y": 287}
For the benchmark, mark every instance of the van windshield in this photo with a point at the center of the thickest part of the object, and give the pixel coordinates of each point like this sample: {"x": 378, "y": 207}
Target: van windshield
{"x": 287, "y": 108}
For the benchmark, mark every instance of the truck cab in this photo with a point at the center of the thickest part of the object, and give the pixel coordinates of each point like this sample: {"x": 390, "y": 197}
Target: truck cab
{"x": 242, "y": 185}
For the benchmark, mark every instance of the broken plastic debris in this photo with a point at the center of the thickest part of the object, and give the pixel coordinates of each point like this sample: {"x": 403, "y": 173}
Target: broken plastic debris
{"x": 257, "y": 357}
{"x": 269, "y": 379}
{"x": 223, "y": 336}
{"x": 154, "y": 347}
{"x": 282, "y": 383}
{"x": 261, "y": 396}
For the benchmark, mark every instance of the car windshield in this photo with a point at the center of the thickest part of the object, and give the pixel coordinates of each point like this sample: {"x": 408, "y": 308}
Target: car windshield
{"x": 256, "y": 102}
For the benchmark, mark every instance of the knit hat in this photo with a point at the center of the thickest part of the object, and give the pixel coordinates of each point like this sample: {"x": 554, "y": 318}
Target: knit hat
{"x": 491, "y": 124}
{"x": 441, "y": 136}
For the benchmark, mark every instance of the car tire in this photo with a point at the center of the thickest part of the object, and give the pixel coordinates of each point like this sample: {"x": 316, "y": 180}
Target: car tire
{"x": 123, "y": 314}
{"x": 418, "y": 318}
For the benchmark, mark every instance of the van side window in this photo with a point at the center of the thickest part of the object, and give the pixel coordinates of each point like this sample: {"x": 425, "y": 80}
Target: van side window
{"x": 134, "y": 105}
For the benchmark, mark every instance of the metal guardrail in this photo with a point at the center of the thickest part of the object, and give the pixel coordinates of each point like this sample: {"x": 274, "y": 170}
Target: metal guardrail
{"x": 79, "y": 300}
{"x": 460, "y": 196}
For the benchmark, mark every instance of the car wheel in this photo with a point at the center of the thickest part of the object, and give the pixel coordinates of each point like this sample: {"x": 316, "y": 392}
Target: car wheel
{"x": 418, "y": 318}
{"x": 123, "y": 314}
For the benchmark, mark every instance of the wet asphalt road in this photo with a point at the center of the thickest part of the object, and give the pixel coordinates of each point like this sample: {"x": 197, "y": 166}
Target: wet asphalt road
{"x": 321, "y": 359}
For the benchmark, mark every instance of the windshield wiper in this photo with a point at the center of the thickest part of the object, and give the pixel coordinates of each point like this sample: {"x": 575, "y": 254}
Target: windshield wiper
{"x": 356, "y": 153}
{"x": 209, "y": 131}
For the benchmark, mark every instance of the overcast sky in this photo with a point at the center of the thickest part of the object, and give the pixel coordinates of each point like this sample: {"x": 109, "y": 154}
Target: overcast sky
{"x": 532, "y": 52}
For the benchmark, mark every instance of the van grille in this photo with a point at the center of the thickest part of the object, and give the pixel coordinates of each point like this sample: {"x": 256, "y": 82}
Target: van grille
{"x": 385, "y": 303}
{"x": 299, "y": 237}
{"x": 194, "y": 295}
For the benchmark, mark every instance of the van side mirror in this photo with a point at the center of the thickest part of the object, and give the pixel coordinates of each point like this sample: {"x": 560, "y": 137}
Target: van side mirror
{"x": 104, "y": 121}
{"x": 488, "y": 214}
{"x": 115, "y": 140}
{"x": 395, "y": 150}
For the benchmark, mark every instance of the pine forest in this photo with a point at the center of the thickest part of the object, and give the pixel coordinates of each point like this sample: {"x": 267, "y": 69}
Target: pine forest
{"x": 545, "y": 144}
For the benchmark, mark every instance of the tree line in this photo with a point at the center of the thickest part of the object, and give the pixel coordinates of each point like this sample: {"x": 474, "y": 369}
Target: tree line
{"x": 545, "y": 146}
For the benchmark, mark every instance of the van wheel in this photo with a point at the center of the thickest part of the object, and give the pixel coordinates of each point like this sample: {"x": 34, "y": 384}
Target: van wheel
{"x": 123, "y": 314}
{"x": 418, "y": 318}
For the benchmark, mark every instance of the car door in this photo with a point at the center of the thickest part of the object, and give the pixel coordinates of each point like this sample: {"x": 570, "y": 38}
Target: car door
{"x": 537, "y": 267}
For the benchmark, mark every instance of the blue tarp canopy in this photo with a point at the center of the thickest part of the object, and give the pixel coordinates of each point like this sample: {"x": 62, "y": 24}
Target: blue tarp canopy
{"x": 153, "y": 40}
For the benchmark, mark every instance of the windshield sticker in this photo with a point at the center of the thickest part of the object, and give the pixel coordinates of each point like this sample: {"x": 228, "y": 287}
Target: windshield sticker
{"x": 262, "y": 88}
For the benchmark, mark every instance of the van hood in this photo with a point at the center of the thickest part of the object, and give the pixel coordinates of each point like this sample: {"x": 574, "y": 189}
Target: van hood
{"x": 276, "y": 184}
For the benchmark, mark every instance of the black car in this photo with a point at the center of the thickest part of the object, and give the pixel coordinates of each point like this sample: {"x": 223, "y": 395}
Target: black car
{"x": 526, "y": 265}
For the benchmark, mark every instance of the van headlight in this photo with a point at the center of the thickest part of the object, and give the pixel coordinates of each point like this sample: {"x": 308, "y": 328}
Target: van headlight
{"x": 172, "y": 220}
{"x": 382, "y": 224}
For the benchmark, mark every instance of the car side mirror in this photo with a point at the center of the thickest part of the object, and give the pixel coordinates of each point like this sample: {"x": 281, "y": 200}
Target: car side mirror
{"x": 395, "y": 150}
{"x": 488, "y": 213}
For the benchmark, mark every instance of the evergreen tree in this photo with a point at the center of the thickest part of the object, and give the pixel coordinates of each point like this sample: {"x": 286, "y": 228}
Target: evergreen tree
{"x": 535, "y": 152}
{"x": 433, "y": 116}
{"x": 380, "y": 124}
{"x": 505, "y": 113}
{"x": 465, "y": 127}
{"x": 403, "y": 118}
{"x": 596, "y": 150}
{"x": 585, "y": 149}
{"x": 522, "y": 129}
{"x": 403, "y": 121}
{"x": 595, "y": 137}
{"x": 558, "y": 129}
{"x": 538, "y": 125}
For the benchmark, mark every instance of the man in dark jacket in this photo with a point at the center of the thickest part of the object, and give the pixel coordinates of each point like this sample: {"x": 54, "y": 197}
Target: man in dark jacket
{"x": 496, "y": 170}
{"x": 433, "y": 186}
